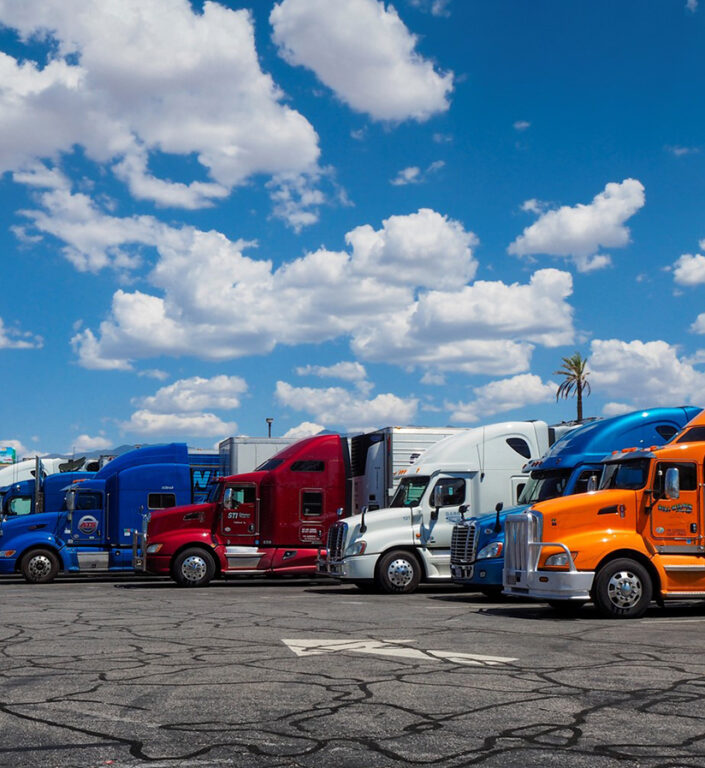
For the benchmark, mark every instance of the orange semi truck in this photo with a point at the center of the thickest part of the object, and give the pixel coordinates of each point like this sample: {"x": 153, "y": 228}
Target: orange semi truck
{"x": 640, "y": 537}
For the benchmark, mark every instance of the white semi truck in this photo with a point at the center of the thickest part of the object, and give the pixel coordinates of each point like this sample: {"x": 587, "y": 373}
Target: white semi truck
{"x": 468, "y": 473}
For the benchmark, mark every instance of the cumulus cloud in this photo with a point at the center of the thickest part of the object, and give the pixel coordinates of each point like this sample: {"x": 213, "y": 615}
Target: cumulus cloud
{"x": 196, "y": 394}
{"x": 305, "y": 429}
{"x": 145, "y": 422}
{"x": 644, "y": 374}
{"x": 364, "y": 53}
{"x": 346, "y": 370}
{"x": 338, "y": 407}
{"x": 579, "y": 232}
{"x": 689, "y": 269}
{"x": 127, "y": 81}
{"x": 13, "y": 338}
{"x": 180, "y": 408}
{"x": 503, "y": 395}
{"x": 86, "y": 443}
{"x": 399, "y": 292}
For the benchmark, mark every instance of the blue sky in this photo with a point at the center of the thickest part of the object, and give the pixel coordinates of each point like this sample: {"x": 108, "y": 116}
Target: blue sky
{"x": 344, "y": 214}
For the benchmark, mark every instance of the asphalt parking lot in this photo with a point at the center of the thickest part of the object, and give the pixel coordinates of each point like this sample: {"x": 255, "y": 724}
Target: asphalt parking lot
{"x": 125, "y": 672}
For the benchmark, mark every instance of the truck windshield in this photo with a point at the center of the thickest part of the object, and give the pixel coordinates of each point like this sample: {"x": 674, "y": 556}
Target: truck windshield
{"x": 409, "y": 492}
{"x": 542, "y": 486}
{"x": 630, "y": 475}
{"x": 213, "y": 492}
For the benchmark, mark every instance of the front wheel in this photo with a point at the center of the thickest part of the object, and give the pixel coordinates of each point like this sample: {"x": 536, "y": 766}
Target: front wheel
{"x": 398, "y": 572}
{"x": 193, "y": 567}
{"x": 623, "y": 589}
{"x": 39, "y": 566}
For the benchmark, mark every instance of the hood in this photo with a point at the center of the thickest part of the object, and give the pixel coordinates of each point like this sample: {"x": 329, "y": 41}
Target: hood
{"x": 16, "y": 525}
{"x": 164, "y": 521}
{"x": 489, "y": 519}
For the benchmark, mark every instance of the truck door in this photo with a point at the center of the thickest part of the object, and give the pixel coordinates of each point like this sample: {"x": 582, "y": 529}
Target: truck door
{"x": 88, "y": 519}
{"x": 676, "y": 524}
{"x": 440, "y": 530}
{"x": 242, "y": 520}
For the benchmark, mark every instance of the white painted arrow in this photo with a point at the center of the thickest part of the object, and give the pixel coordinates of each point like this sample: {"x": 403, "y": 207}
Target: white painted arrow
{"x": 314, "y": 647}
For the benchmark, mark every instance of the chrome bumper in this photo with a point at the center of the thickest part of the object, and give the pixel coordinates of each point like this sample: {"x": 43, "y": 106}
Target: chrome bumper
{"x": 521, "y": 577}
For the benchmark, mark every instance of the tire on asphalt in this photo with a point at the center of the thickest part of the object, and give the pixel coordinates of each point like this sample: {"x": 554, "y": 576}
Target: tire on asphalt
{"x": 194, "y": 567}
{"x": 623, "y": 589}
{"x": 398, "y": 572}
{"x": 39, "y": 566}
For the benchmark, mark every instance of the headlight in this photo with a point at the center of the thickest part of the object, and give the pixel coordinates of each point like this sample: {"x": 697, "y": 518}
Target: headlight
{"x": 359, "y": 547}
{"x": 560, "y": 560}
{"x": 152, "y": 549}
{"x": 491, "y": 550}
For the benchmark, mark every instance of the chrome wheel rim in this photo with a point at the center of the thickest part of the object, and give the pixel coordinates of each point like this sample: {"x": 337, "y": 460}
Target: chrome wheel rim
{"x": 194, "y": 568}
{"x": 400, "y": 573}
{"x": 624, "y": 589}
{"x": 39, "y": 567}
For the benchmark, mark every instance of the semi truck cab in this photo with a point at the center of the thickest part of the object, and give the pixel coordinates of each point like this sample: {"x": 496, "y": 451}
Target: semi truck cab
{"x": 640, "y": 536}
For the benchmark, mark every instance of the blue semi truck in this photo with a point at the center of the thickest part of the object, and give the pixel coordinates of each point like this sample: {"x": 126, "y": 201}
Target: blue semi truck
{"x": 86, "y": 523}
{"x": 476, "y": 559}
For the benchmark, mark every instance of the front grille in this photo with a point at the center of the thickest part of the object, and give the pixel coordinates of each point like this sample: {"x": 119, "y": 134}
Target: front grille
{"x": 520, "y": 531}
{"x": 336, "y": 540}
{"x": 463, "y": 543}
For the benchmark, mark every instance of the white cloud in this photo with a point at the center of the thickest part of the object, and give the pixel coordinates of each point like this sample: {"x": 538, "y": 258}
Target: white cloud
{"x": 644, "y": 373}
{"x": 364, "y": 53}
{"x": 196, "y": 394}
{"x": 84, "y": 443}
{"x": 503, "y": 395}
{"x": 534, "y": 206}
{"x": 399, "y": 292}
{"x": 346, "y": 370}
{"x": 433, "y": 379}
{"x": 12, "y": 338}
{"x": 680, "y": 151}
{"x": 128, "y": 80}
{"x": 579, "y": 232}
{"x": 689, "y": 269}
{"x": 410, "y": 175}
{"x": 414, "y": 175}
{"x": 616, "y": 409}
{"x": 180, "y": 408}
{"x": 338, "y": 407}
{"x": 154, "y": 373}
{"x": 145, "y": 422}
{"x": 692, "y": 5}
{"x": 522, "y": 125}
{"x": 305, "y": 429}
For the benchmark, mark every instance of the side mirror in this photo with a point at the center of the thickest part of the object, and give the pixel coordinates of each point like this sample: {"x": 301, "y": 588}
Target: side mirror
{"x": 339, "y": 512}
{"x": 437, "y": 497}
{"x": 672, "y": 486}
{"x": 499, "y": 506}
{"x": 463, "y": 508}
{"x": 228, "y": 497}
{"x": 70, "y": 505}
{"x": 592, "y": 483}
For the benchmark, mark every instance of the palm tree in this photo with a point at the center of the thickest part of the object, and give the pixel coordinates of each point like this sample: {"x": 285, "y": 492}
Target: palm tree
{"x": 575, "y": 383}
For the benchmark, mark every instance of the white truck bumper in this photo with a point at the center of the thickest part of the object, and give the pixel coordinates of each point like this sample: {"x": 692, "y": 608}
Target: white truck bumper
{"x": 358, "y": 568}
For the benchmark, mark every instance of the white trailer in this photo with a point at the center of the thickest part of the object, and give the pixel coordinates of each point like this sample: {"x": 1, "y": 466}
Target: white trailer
{"x": 378, "y": 460}
{"x": 394, "y": 548}
{"x": 244, "y": 454}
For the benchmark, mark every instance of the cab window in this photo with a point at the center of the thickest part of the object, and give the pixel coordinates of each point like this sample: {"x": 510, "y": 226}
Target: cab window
{"x": 453, "y": 491}
{"x": 581, "y": 484}
{"x": 409, "y": 492}
{"x": 312, "y": 503}
{"x": 89, "y": 500}
{"x": 161, "y": 500}
{"x": 308, "y": 465}
{"x": 244, "y": 494}
{"x": 20, "y": 505}
{"x": 687, "y": 475}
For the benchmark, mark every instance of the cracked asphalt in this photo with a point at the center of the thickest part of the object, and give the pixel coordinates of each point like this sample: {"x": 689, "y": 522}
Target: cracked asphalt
{"x": 129, "y": 672}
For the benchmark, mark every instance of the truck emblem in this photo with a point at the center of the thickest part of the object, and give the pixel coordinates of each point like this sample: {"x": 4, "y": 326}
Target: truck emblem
{"x": 88, "y": 524}
{"x": 659, "y": 530}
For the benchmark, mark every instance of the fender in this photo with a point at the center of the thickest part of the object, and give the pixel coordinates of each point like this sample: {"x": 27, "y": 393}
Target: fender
{"x": 25, "y": 541}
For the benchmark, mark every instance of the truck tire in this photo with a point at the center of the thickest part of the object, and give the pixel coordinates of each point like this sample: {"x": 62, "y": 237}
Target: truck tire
{"x": 193, "y": 567}
{"x": 39, "y": 566}
{"x": 623, "y": 589}
{"x": 398, "y": 572}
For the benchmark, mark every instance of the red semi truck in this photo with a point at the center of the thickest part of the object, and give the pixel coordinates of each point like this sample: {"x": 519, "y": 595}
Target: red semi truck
{"x": 274, "y": 520}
